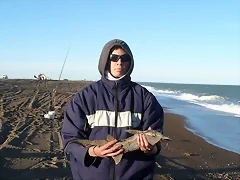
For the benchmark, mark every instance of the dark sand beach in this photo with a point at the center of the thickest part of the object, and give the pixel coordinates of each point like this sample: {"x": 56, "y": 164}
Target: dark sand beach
{"x": 31, "y": 148}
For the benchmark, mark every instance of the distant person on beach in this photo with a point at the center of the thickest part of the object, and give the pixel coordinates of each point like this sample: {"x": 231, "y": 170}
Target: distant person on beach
{"x": 110, "y": 106}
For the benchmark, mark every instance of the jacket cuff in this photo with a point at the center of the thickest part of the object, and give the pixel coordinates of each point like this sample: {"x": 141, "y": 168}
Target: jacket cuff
{"x": 80, "y": 154}
{"x": 159, "y": 147}
{"x": 150, "y": 153}
{"x": 89, "y": 160}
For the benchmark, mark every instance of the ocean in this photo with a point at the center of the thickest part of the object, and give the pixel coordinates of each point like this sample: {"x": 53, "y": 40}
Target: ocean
{"x": 213, "y": 111}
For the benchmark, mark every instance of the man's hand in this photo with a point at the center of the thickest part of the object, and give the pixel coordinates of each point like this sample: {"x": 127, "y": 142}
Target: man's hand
{"x": 143, "y": 142}
{"x": 107, "y": 150}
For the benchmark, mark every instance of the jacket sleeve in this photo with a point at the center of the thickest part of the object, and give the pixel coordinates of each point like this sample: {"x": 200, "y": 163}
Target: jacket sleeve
{"x": 74, "y": 127}
{"x": 153, "y": 116}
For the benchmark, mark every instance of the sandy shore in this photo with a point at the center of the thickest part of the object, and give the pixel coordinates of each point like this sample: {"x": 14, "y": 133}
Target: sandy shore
{"x": 188, "y": 156}
{"x": 30, "y": 146}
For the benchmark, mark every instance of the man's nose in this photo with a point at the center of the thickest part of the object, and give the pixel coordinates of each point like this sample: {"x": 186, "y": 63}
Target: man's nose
{"x": 119, "y": 61}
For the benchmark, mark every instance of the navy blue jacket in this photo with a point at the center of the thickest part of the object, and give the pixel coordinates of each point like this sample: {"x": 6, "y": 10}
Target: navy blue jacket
{"x": 110, "y": 107}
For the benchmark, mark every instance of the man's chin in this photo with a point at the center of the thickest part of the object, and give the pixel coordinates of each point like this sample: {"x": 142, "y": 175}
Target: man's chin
{"x": 118, "y": 75}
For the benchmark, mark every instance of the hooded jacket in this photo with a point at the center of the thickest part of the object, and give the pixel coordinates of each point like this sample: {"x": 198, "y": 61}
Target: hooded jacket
{"x": 110, "y": 107}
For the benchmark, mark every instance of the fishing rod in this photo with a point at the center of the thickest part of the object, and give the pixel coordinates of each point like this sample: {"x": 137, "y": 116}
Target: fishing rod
{"x": 64, "y": 63}
{"x": 54, "y": 91}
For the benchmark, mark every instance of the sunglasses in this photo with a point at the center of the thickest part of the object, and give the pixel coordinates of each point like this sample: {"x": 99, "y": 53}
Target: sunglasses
{"x": 124, "y": 57}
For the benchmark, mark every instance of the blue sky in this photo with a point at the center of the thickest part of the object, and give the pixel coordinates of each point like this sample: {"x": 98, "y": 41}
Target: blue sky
{"x": 172, "y": 41}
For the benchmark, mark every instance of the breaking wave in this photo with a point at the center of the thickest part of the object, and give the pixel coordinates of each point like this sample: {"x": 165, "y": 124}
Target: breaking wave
{"x": 214, "y": 102}
{"x": 229, "y": 108}
{"x": 191, "y": 97}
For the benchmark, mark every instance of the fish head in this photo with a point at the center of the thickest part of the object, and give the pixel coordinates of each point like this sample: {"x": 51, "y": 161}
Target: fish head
{"x": 154, "y": 136}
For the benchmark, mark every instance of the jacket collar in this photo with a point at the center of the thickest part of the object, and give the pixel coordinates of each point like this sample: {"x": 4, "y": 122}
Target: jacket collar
{"x": 121, "y": 83}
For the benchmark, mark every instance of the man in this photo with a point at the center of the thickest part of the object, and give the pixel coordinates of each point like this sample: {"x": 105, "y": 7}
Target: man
{"x": 110, "y": 106}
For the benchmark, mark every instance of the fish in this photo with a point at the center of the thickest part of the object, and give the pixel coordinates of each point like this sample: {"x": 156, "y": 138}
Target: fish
{"x": 129, "y": 144}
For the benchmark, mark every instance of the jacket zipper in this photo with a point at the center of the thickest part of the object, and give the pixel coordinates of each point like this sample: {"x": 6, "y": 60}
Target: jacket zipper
{"x": 115, "y": 128}
{"x": 116, "y": 109}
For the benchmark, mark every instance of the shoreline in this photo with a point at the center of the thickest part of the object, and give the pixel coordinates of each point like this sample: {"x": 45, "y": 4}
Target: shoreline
{"x": 212, "y": 142}
{"x": 190, "y": 126}
{"x": 189, "y": 156}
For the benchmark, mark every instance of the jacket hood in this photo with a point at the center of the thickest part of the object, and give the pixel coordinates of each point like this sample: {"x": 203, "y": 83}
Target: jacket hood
{"x": 106, "y": 51}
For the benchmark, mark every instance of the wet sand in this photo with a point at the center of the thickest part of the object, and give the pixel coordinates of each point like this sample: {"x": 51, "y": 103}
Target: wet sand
{"x": 188, "y": 156}
{"x": 31, "y": 148}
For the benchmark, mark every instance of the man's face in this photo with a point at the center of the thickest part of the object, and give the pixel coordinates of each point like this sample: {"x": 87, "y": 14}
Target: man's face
{"x": 119, "y": 65}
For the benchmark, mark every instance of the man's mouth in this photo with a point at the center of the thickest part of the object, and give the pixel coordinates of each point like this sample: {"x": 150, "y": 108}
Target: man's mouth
{"x": 118, "y": 69}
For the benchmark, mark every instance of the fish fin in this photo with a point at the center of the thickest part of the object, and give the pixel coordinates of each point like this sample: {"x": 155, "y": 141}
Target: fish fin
{"x": 131, "y": 131}
{"x": 110, "y": 138}
{"x": 117, "y": 158}
{"x": 154, "y": 141}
